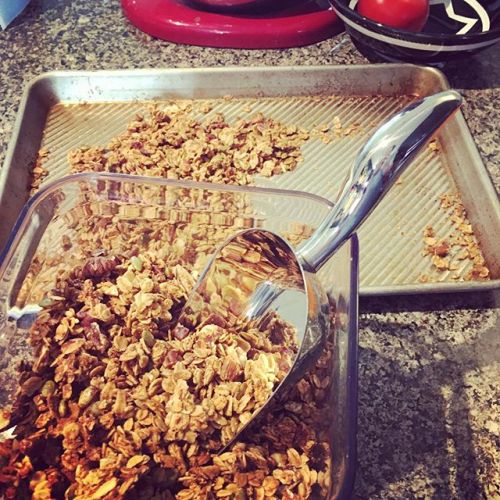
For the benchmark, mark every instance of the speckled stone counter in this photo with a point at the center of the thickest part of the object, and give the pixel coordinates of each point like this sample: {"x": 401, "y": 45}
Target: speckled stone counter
{"x": 428, "y": 376}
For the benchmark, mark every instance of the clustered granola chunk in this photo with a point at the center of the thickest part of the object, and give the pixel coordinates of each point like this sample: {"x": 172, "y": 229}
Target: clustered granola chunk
{"x": 459, "y": 248}
{"x": 171, "y": 143}
{"x": 39, "y": 171}
{"x": 121, "y": 402}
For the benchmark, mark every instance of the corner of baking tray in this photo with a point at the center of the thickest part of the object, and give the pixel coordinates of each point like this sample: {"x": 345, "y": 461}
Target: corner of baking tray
{"x": 33, "y": 82}
{"x": 43, "y": 79}
{"x": 442, "y": 78}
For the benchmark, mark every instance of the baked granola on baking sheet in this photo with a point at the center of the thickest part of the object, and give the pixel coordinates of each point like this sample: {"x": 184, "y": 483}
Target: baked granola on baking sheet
{"x": 324, "y": 113}
{"x": 310, "y": 139}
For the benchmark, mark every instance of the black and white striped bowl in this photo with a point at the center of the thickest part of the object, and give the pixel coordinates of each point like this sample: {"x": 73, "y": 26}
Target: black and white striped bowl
{"x": 455, "y": 28}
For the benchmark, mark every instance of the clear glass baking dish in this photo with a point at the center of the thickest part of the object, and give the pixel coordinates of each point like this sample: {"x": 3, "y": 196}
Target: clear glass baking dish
{"x": 45, "y": 240}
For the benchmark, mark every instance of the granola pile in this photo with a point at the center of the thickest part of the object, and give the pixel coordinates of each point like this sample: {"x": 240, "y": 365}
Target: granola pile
{"x": 171, "y": 143}
{"x": 121, "y": 402}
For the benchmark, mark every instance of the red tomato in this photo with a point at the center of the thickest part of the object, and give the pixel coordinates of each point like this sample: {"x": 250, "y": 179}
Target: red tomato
{"x": 408, "y": 15}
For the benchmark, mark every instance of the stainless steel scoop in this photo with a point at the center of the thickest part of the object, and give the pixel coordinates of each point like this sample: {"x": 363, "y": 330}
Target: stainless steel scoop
{"x": 256, "y": 276}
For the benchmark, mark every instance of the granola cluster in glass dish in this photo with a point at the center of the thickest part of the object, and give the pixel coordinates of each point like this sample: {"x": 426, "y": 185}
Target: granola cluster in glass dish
{"x": 119, "y": 401}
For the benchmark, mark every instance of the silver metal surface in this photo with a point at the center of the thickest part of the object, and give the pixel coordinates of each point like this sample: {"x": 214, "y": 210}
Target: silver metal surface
{"x": 378, "y": 165}
{"x": 62, "y": 111}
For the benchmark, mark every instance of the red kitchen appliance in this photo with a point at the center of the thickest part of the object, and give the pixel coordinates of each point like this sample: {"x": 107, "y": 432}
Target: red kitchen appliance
{"x": 246, "y": 24}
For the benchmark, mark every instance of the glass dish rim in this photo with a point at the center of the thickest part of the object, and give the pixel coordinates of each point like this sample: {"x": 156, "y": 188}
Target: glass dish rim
{"x": 30, "y": 206}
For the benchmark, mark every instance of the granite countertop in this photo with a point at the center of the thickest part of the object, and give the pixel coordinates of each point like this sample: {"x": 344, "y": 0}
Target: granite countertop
{"x": 428, "y": 377}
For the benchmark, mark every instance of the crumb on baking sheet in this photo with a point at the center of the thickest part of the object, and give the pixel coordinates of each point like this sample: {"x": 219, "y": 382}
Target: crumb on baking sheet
{"x": 327, "y": 133}
{"x": 460, "y": 249}
{"x": 434, "y": 146}
{"x": 39, "y": 172}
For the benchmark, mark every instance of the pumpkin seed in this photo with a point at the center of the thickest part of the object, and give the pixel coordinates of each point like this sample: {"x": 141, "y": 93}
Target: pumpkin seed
{"x": 136, "y": 263}
{"x": 148, "y": 338}
{"x": 48, "y": 388}
{"x": 86, "y": 396}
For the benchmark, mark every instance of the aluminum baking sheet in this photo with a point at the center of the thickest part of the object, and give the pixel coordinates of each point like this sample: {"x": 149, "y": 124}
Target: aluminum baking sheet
{"x": 65, "y": 110}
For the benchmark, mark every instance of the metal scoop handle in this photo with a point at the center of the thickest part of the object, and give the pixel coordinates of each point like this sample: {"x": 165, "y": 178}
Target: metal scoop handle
{"x": 377, "y": 166}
